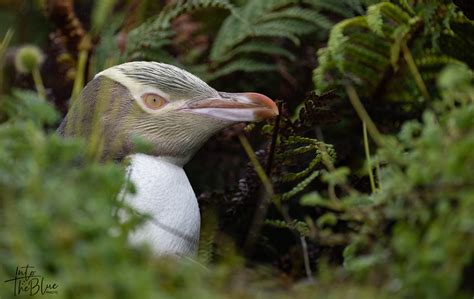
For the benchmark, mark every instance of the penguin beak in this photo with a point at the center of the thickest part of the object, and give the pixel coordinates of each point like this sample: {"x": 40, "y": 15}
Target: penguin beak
{"x": 238, "y": 107}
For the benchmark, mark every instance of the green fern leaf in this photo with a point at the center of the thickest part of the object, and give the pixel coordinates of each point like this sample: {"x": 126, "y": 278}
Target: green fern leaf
{"x": 303, "y": 14}
{"x": 300, "y": 186}
{"x": 299, "y": 226}
{"x": 344, "y": 9}
{"x": 242, "y": 65}
{"x": 261, "y": 48}
{"x": 263, "y": 20}
{"x": 158, "y": 29}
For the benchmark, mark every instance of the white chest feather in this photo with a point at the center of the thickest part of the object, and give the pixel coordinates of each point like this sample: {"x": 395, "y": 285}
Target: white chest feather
{"x": 164, "y": 192}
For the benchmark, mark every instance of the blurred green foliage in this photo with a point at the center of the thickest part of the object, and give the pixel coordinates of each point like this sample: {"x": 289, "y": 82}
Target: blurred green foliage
{"x": 411, "y": 237}
{"x": 58, "y": 215}
{"x": 416, "y": 232}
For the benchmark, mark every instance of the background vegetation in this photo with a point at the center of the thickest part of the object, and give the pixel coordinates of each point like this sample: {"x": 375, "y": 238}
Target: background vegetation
{"x": 366, "y": 180}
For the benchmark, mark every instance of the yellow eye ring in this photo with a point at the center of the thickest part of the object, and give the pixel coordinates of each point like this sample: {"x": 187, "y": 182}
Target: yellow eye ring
{"x": 153, "y": 101}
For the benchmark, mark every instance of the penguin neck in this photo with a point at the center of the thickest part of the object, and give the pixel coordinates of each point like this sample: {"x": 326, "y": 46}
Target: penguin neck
{"x": 164, "y": 193}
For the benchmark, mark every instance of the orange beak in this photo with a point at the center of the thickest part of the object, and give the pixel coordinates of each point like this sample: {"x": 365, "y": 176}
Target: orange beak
{"x": 236, "y": 107}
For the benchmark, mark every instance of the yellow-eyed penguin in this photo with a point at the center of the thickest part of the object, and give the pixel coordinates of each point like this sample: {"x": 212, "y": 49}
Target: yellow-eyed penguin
{"x": 174, "y": 111}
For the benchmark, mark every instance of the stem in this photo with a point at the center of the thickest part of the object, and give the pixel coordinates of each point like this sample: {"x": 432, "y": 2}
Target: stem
{"x": 414, "y": 71}
{"x": 307, "y": 267}
{"x": 271, "y": 152}
{"x": 3, "y": 48}
{"x": 363, "y": 115}
{"x": 79, "y": 80}
{"x": 330, "y": 166}
{"x": 367, "y": 156}
{"x": 379, "y": 176}
{"x": 265, "y": 198}
{"x": 389, "y": 72}
{"x": 38, "y": 83}
{"x": 256, "y": 164}
{"x": 304, "y": 245}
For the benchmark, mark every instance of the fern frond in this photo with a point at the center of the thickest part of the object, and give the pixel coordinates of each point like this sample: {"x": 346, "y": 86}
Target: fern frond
{"x": 261, "y": 48}
{"x": 288, "y": 26}
{"x": 154, "y": 34}
{"x": 236, "y": 28}
{"x": 435, "y": 60}
{"x": 275, "y": 30}
{"x": 367, "y": 51}
{"x": 338, "y": 40}
{"x": 303, "y": 14}
{"x": 361, "y": 48}
{"x": 299, "y": 226}
{"x": 377, "y": 16}
{"x": 290, "y": 149}
{"x": 241, "y": 65}
{"x": 460, "y": 38}
{"x": 345, "y": 9}
{"x": 299, "y": 175}
{"x": 300, "y": 186}
{"x": 264, "y": 21}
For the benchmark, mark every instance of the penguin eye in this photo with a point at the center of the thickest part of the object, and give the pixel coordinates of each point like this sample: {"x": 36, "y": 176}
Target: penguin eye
{"x": 153, "y": 101}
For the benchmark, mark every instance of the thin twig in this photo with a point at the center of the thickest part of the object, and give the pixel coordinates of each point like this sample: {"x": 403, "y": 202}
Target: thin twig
{"x": 79, "y": 80}
{"x": 256, "y": 164}
{"x": 389, "y": 73}
{"x": 271, "y": 152}
{"x": 363, "y": 115}
{"x": 307, "y": 266}
{"x": 367, "y": 156}
{"x": 257, "y": 222}
{"x": 3, "y": 48}
{"x": 304, "y": 245}
{"x": 38, "y": 83}
{"x": 330, "y": 166}
{"x": 266, "y": 198}
{"x": 414, "y": 71}
{"x": 379, "y": 175}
